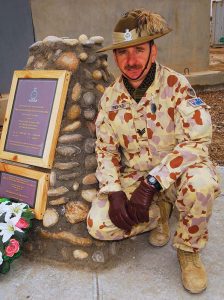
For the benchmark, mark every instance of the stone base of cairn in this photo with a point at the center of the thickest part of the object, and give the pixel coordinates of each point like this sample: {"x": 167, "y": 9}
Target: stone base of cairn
{"x": 62, "y": 236}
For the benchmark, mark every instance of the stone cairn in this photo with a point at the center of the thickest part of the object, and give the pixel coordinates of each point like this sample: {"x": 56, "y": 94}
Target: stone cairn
{"x": 63, "y": 235}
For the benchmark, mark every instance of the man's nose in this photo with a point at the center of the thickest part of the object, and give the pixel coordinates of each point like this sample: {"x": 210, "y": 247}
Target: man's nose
{"x": 131, "y": 59}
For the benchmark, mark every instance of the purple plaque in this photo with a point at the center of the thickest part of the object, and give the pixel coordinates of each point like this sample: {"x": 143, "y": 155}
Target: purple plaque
{"x": 19, "y": 188}
{"x": 30, "y": 116}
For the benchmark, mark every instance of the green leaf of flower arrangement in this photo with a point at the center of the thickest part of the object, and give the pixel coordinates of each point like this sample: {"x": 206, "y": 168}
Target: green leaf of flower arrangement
{"x": 4, "y": 200}
{"x": 5, "y": 267}
{"x": 28, "y": 214}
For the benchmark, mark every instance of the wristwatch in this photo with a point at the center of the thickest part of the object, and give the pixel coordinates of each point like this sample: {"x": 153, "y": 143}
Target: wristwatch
{"x": 153, "y": 181}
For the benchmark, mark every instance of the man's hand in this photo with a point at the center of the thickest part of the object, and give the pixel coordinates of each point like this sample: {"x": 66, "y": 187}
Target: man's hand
{"x": 141, "y": 199}
{"x": 118, "y": 210}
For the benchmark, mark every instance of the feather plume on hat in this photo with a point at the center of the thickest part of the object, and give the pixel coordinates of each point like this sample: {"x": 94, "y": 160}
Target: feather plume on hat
{"x": 136, "y": 27}
{"x": 151, "y": 22}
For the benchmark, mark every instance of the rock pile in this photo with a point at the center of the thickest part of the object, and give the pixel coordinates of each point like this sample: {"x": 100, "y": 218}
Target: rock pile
{"x": 73, "y": 184}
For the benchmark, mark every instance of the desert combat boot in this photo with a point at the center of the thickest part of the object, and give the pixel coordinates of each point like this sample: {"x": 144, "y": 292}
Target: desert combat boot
{"x": 194, "y": 277}
{"x": 160, "y": 236}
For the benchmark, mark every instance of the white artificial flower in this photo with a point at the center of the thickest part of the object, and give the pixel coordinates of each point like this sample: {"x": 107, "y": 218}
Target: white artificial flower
{"x": 15, "y": 209}
{"x": 1, "y": 259}
{"x": 8, "y": 229}
{"x": 3, "y": 208}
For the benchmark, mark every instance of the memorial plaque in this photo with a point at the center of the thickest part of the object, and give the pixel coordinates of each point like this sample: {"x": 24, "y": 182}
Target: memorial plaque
{"x": 33, "y": 117}
{"x": 24, "y": 185}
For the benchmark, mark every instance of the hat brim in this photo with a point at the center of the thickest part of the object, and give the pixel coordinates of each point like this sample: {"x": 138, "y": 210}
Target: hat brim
{"x": 135, "y": 42}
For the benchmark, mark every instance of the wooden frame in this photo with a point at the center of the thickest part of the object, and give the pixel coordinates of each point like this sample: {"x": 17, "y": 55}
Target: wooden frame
{"x": 39, "y": 179}
{"x": 11, "y": 132}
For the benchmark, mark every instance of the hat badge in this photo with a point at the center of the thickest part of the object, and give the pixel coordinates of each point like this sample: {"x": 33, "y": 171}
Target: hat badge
{"x": 127, "y": 35}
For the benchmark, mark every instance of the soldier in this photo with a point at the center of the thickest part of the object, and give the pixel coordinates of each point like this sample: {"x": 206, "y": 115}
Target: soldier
{"x": 152, "y": 138}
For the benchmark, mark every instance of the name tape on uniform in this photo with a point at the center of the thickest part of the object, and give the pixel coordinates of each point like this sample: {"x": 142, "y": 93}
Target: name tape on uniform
{"x": 120, "y": 106}
{"x": 196, "y": 102}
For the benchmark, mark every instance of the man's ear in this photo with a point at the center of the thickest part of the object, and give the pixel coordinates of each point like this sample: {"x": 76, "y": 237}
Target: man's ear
{"x": 154, "y": 53}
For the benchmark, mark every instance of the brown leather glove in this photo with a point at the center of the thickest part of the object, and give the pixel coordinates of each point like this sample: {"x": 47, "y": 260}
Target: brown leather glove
{"x": 141, "y": 199}
{"x": 118, "y": 210}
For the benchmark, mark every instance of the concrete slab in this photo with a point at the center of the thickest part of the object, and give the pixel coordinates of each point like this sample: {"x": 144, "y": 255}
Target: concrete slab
{"x": 150, "y": 273}
{"x": 206, "y": 78}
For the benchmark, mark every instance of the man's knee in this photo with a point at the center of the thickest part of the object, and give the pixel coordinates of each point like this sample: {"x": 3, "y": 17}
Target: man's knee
{"x": 200, "y": 179}
{"x": 102, "y": 229}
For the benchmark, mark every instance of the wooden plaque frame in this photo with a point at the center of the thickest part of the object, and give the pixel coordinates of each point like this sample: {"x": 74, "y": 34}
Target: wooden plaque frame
{"x": 50, "y": 142}
{"x": 42, "y": 185}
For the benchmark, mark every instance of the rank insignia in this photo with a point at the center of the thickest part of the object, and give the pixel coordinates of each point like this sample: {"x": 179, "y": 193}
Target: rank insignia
{"x": 196, "y": 102}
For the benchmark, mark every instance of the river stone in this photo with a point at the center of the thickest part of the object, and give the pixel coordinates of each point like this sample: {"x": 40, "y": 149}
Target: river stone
{"x": 87, "y": 74}
{"x": 98, "y": 256}
{"x": 30, "y": 60}
{"x": 91, "y": 59}
{"x": 75, "y": 186}
{"x": 68, "y": 176}
{"x": 70, "y": 138}
{"x": 83, "y": 38}
{"x": 100, "y": 88}
{"x": 105, "y": 77}
{"x": 50, "y": 218}
{"x": 89, "y": 195}
{"x": 89, "y": 145}
{"x": 89, "y": 114}
{"x": 88, "y": 43}
{"x": 36, "y": 45}
{"x": 74, "y": 112}
{"x": 67, "y": 61}
{"x": 89, "y": 85}
{"x": 98, "y": 63}
{"x": 89, "y": 179}
{"x": 52, "y": 179}
{"x": 97, "y": 39}
{"x": 66, "y": 166}
{"x": 76, "y": 211}
{"x": 71, "y": 42}
{"x": 104, "y": 63}
{"x": 92, "y": 128}
{"x": 59, "y": 201}
{"x": 40, "y": 64}
{"x": 72, "y": 126}
{"x": 89, "y": 98}
{"x": 76, "y": 91}
{"x": 83, "y": 56}
{"x": 51, "y": 40}
{"x": 59, "y": 191}
{"x": 80, "y": 254}
{"x": 68, "y": 150}
{"x": 97, "y": 75}
{"x": 90, "y": 162}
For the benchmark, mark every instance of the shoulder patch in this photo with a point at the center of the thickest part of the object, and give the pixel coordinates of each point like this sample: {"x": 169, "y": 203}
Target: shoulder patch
{"x": 196, "y": 102}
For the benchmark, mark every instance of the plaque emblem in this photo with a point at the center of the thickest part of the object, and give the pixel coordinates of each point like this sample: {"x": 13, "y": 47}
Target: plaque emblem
{"x": 33, "y": 95}
{"x": 127, "y": 35}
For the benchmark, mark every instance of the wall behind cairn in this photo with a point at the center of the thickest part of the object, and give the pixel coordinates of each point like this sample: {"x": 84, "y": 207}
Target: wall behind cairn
{"x": 73, "y": 184}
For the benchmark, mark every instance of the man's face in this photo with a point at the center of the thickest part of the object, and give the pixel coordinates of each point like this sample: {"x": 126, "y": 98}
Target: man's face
{"x": 132, "y": 60}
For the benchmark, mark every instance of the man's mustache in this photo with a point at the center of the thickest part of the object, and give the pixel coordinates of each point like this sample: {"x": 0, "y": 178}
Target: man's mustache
{"x": 133, "y": 67}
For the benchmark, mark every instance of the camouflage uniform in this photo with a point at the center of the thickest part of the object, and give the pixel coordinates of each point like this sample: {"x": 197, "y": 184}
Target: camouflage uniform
{"x": 166, "y": 135}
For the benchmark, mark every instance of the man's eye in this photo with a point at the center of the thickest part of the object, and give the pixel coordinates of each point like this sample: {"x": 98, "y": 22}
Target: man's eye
{"x": 120, "y": 52}
{"x": 139, "y": 50}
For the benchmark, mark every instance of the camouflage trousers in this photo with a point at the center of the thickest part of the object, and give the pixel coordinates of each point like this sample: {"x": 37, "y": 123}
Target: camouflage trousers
{"x": 193, "y": 194}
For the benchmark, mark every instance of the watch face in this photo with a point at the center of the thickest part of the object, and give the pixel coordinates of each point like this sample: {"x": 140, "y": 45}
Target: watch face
{"x": 152, "y": 180}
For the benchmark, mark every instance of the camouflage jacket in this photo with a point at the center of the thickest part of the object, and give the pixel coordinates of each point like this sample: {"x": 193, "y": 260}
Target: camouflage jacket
{"x": 167, "y": 131}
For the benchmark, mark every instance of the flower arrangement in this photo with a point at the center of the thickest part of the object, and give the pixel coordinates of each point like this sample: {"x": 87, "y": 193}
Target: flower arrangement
{"x": 15, "y": 221}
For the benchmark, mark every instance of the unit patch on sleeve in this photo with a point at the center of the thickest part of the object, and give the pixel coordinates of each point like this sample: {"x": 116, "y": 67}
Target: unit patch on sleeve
{"x": 196, "y": 102}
